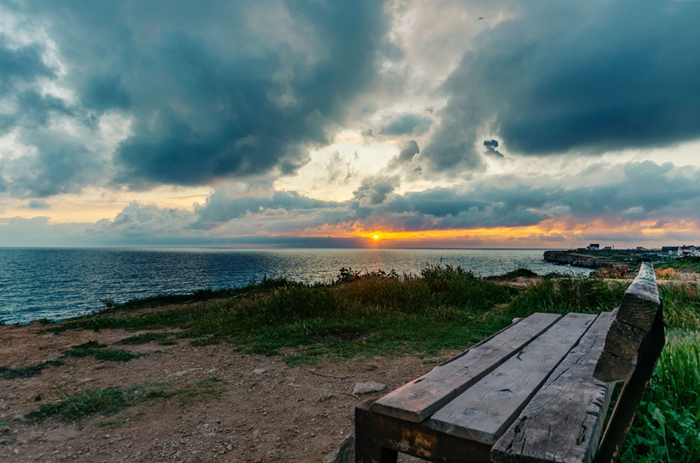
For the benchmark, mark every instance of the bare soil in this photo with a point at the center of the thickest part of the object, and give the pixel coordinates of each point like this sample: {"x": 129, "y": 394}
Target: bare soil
{"x": 261, "y": 410}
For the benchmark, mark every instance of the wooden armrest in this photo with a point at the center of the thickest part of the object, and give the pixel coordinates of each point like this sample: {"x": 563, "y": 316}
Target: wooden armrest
{"x": 632, "y": 322}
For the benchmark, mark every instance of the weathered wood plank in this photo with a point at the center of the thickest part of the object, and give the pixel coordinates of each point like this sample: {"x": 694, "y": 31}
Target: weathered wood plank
{"x": 417, "y": 400}
{"x": 484, "y": 411}
{"x": 564, "y": 420}
{"x": 632, "y": 322}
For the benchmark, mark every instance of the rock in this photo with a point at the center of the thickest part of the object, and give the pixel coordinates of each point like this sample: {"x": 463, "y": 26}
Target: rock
{"x": 365, "y": 388}
{"x": 259, "y": 371}
{"x": 345, "y": 454}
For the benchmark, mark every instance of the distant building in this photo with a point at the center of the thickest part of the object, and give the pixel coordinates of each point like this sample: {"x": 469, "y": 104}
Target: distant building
{"x": 641, "y": 248}
{"x": 607, "y": 248}
{"x": 593, "y": 247}
{"x": 688, "y": 251}
{"x": 670, "y": 249}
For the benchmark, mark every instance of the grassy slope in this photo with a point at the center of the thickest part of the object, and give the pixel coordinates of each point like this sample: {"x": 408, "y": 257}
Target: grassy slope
{"x": 440, "y": 309}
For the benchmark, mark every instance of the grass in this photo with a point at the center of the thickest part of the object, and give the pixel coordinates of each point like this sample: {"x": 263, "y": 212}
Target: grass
{"x": 28, "y": 372}
{"x": 102, "y": 401}
{"x": 100, "y": 352}
{"x": 667, "y": 425}
{"x": 143, "y": 338}
{"x": 366, "y": 314}
{"x": 110, "y": 400}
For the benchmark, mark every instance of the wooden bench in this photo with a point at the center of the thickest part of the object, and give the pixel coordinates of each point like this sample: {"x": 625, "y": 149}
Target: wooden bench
{"x": 537, "y": 391}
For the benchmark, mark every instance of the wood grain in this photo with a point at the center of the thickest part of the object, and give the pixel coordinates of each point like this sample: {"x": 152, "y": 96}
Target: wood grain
{"x": 633, "y": 321}
{"x": 417, "y": 400}
{"x": 564, "y": 420}
{"x": 484, "y": 411}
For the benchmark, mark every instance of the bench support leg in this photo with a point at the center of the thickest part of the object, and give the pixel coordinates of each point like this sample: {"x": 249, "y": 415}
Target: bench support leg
{"x": 369, "y": 452}
{"x": 379, "y": 438}
{"x": 626, "y": 406}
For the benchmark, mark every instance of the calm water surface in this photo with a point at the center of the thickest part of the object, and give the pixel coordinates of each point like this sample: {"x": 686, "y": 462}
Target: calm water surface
{"x": 60, "y": 283}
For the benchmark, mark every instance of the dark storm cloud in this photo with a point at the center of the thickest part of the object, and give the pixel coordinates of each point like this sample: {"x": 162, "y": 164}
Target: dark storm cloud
{"x": 60, "y": 165}
{"x": 105, "y": 92}
{"x": 21, "y": 70}
{"x": 407, "y": 124}
{"x": 561, "y": 76}
{"x": 217, "y": 89}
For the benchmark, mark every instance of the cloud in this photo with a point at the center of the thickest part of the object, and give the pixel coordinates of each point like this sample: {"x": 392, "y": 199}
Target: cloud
{"x": 557, "y": 77}
{"x": 38, "y": 204}
{"x": 60, "y": 163}
{"x": 218, "y": 89}
{"x": 491, "y": 150}
{"x": 206, "y": 90}
{"x": 220, "y": 207}
{"x": 409, "y": 149}
{"x": 406, "y": 124}
{"x": 375, "y": 190}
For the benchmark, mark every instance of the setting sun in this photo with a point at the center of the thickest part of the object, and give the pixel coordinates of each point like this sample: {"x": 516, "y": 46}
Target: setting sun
{"x": 376, "y": 237}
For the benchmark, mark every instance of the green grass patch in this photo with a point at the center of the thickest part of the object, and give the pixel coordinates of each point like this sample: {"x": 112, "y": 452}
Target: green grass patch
{"x": 366, "y": 314}
{"x": 205, "y": 341}
{"x": 27, "y": 372}
{"x": 100, "y": 352}
{"x": 143, "y": 338}
{"x": 667, "y": 425}
{"x": 681, "y": 307}
{"x": 110, "y": 400}
{"x": 102, "y": 401}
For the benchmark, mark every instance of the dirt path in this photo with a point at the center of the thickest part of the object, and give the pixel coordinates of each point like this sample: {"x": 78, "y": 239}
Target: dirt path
{"x": 228, "y": 407}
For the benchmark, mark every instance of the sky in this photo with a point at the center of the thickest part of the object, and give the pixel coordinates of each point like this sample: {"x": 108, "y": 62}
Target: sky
{"x": 337, "y": 123}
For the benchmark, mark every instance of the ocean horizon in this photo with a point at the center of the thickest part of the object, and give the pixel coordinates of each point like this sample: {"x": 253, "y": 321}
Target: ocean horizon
{"x": 59, "y": 283}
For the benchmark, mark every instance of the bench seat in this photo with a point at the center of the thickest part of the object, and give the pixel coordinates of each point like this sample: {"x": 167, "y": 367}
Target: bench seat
{"x": 528, "y": 393}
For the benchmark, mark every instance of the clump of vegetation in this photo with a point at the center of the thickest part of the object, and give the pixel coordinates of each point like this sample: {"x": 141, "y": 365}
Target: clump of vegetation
{"x": 110, "y": 400}
{"x": 572, "y": 294}
{"x": 143, "y": 338}
{"x": 103, "y": 401}
{"x": 681, "y": 306}
{"x": 667, "y": 424}
{"x": 100, "y": 352}
{"x": 514, "y": 275}
{"x": 28, "y": 372}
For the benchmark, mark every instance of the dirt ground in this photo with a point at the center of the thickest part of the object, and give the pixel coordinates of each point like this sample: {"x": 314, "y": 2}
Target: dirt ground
{"x": 261, "y": 410}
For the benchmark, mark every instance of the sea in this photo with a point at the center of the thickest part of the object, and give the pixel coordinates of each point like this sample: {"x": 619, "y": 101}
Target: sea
{"x": 60, "y": 283}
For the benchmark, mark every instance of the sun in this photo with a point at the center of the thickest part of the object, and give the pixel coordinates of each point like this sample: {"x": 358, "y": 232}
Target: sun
{"x": 376, "y": 237}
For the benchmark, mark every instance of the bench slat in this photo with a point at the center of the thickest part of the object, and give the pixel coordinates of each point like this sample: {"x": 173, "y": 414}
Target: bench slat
{"x": 633, "y": 321}
{"x": 564, "y": 420}
{"x": 485, "y": 411}
{"x": 417, "y": 400}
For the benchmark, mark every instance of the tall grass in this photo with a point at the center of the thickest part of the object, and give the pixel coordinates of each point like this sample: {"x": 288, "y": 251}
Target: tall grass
{"x": 667, "y": 425}
{"x": 681, "y": 306}
{"x": 569, "y": 294}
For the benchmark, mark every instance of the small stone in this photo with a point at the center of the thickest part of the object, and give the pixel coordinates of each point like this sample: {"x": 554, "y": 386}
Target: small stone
{"x": 229, "y": 447}
{"x": 365, "y": 388}
{"x": 259, "y": 371}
